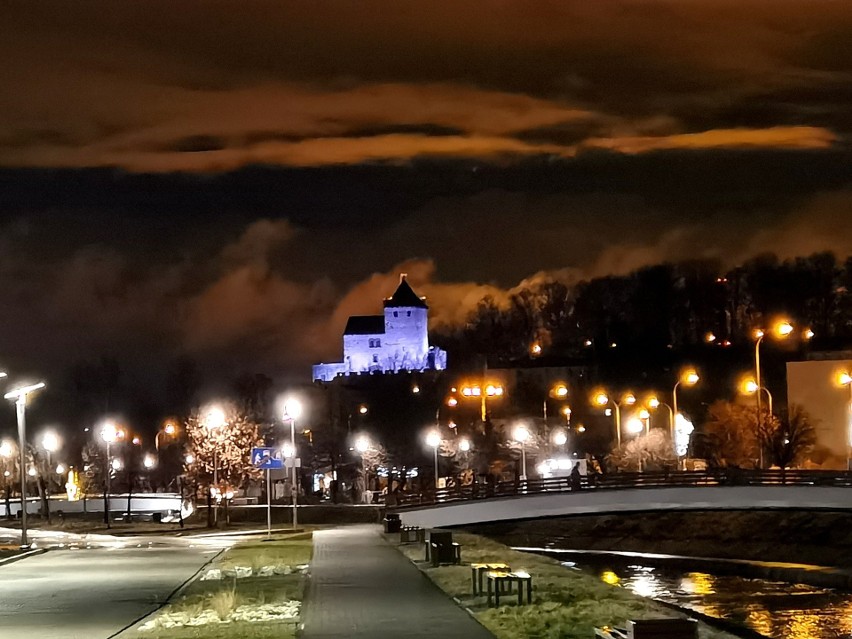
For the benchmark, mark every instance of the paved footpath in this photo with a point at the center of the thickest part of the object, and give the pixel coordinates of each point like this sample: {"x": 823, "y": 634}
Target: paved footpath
{"x": 362, "y": 587}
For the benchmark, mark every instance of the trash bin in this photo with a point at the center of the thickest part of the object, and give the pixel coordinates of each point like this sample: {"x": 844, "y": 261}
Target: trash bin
{"x": 393, "y": 524}
{"x": 157, "y": 517}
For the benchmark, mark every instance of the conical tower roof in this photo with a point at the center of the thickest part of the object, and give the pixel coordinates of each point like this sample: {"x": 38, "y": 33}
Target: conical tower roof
{"x": 404, "y": 296}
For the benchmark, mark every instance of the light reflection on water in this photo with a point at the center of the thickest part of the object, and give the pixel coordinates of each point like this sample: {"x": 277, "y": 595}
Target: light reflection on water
{"x": 775, "y": 609}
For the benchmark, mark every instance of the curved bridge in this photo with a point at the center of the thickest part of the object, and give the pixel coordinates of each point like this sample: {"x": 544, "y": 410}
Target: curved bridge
{"x": 629, "y": 493}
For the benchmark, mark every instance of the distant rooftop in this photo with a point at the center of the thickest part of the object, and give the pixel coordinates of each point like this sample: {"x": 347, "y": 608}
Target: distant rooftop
{"x": 365, "y": 325}
{"x": 404, "y": 296}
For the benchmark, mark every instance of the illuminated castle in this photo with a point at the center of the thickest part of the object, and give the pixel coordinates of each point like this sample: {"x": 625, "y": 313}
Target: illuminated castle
{"x": 395, "y": 341}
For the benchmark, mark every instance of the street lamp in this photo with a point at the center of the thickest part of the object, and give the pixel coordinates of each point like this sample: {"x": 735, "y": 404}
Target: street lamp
{"x": 110, "y": 433}
{"x": 654, "y": 403}
{"x": 602, "y": 399}
{"x": 149, "y": 461}
{"x": 475, "y": 391}
{"x": 845, "y": 379}
{"x": 362, "y": 445}
{"x": 751, "y": 387}
{"x": 20, "y": 397}
{"x": 292, "y": 412}
{"x": 780, "y": 330}
{"x": 464, "y": 445}
{"x": 214, "y": 420}
{"x": 521, "y": 435}
{"x": 433, "y": 439}
{"x": 559, "y": 437}
{"x": 168, "y": 430}
{"x": 50, "y": 443}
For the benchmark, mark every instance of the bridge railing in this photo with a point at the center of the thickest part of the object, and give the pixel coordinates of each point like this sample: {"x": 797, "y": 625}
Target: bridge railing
{"x": 626, "y": 481}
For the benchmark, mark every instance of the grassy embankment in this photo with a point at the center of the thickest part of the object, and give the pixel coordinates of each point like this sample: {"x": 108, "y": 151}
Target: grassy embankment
{"x": 219, "y": 600}
{"x": 567, "y": 603}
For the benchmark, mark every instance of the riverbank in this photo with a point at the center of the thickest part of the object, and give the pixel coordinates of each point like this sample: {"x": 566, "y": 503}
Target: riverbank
{"x": 567, "y": 603}
{"x": 807, "y": 537}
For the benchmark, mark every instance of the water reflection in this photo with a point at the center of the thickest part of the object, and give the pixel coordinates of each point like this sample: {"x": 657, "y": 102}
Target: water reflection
{"x": 774, "y": 609}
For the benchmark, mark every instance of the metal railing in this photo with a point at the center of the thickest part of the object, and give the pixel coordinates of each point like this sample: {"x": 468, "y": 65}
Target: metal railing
{"x": 626, "y": 481}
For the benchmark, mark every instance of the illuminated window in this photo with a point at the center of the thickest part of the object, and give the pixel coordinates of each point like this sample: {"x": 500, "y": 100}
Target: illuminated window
{"x": 395, "y": 314}
{"x": 408, "y": 314}
{"x": 374, "y": 343}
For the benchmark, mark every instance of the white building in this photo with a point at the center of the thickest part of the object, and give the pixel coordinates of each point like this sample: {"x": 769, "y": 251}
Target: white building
{"x": 396, "y": 341}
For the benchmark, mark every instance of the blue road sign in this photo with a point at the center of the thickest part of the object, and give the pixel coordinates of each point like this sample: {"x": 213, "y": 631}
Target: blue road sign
{"x": 267, "y": 458}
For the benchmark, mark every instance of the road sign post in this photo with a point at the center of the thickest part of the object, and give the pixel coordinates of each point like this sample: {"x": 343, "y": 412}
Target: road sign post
{"x": 267, "y": 458}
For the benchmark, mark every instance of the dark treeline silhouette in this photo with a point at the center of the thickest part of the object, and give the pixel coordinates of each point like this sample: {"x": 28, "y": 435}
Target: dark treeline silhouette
{"x": 673, "y": 307}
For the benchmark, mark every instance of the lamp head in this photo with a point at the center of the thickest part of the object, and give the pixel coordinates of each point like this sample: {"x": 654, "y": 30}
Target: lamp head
{"x": 292, "y": 409}
{"x": 690, "y": 377}
{"x": 464, "y": 444}
{"x": 844, "y": 379}
{"x": 23, "y": 391}
{"x": 214, "y": 418}
{"x": 601, "y": 399}
{"x": 521, "y": 433}
{"x": 653, "y": 402}
{"x": 362, "y": 444}
{"x": 560, "y": 437}
{"x": 433, "y": 438}
{"x": 783, "y": 329}
{"x": 50, "y": 441}
{"x": 630, "y": 399}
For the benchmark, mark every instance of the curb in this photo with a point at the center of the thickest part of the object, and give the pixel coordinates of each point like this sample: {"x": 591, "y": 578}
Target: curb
{"x": 29, "y": 553}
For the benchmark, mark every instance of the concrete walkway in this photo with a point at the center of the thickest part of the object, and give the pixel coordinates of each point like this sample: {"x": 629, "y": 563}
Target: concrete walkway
{"x": 362, "y": 587}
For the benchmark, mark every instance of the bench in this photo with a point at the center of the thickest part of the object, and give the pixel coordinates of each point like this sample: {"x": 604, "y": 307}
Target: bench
{"x": 440, "y": 537}
{"x": 444, "y": 553}
{"x": 478, "y": 570}
{"x": 409, "y": 534}
{"x": 497, "y": 582}
{"x": 652, "y": 629}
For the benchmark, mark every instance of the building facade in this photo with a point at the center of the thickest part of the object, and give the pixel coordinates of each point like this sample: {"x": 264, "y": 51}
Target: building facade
{"x": 397, "y": 340}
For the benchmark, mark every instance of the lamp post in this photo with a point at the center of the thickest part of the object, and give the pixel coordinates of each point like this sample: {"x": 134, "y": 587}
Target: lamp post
{"x": 688, "y": 378}
{"x": 433, "y": 439}
{"x": 20, "y": 397}
{"x": 845, "y": 379}
{"x": 522, "y": 435}
{"x": 362, "y": 445}
{"x": 169, "y": 430}
{"x": 477, "y": 391}
{"x": 780, "y": 330}
{"x": 7, "y": 452}
{"x": 292, "y": 411}
{"x": 655, "y": 403}
{"x": 214, "y": 420}
{"x": 602, "y": 399}
{"x": 110, "y": 434}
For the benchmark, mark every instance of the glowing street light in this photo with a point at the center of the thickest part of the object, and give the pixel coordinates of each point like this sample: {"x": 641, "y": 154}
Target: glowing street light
{"x": 634, "y": 425}
{"x": 149, "y": 461}
{"x": 654, "y": 403}
{"x": 560, "y": 391}
{"x": 433, "y": 439}
{"x": 491, "y": 390}
{"x": 780, "y": 330}
{"x": 215, "y": 420}
{"x": 168, "y": 430}
{"x": 60, "y": 469}
{"x": 362, "y": 409}
{"x": 845, "y": 379}
{"x": 464, "y": 445}
{"x": 559, "y": 437}
{"x": 521, "y": 435}
{"x": 292, "y": 412}
{"x": 688, "y": 377}
{"x": 602, "y": 399}
{"x": 20, "y": 397}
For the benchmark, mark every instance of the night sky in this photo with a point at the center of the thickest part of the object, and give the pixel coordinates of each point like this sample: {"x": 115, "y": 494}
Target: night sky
{"x": 230, "y": 180}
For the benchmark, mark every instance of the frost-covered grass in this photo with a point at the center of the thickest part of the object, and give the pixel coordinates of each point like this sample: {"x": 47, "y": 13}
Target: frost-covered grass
{"x": 567, "y": 603}
{"x": 253, "y": 591}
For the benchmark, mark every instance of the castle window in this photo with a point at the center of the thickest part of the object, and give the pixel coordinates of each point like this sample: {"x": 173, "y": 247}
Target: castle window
{"x": 395, "y": 314}
{"x": 375, "y": 359}
{"x": 374, "y": 343}
{"x": 409, "y": 313}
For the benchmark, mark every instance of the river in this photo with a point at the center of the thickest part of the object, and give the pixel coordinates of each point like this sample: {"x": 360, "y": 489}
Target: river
{"x": 775, "y": 609}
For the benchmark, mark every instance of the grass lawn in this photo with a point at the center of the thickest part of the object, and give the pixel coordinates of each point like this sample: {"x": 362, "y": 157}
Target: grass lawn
{"x": 220, "y": 599}
{"x": 9, "y": 551}
{"x": 567, "y": 603}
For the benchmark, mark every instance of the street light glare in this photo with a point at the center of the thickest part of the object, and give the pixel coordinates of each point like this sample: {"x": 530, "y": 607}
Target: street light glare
{"x": 170, "y": 429}
{"x": 644, "y": 414}
{"x": 464, "y": 444}
{"x": 433, "y": 438}
{"x": 601, "y": 399}
{"x": 521, "y": 434}
{"x": 560, "y": 437}
{"x": 7, "y": 449}
{"x": 50, "y": 441}
{"x": 749, "y": 386}
{"x": 292, "y": 409}
{"x": 110, "y": 432}
{"x": 690, "y": 377}
{"x": 363, "y": 409}
{"x": 653, "y": 402}
{"x": 214, "y": 418}
{"x": 23, "y": 391}
{"x": 635, "y": 425}
{"x": 561, "y": 390}
{"x": 149, "y": 462}
{"x": 630, "y": 399}
{"x": 60, "y": 469}
{"x": 844, "y": 379}
{"x": 783, "y": 329}
{"x": 362, "y": 444}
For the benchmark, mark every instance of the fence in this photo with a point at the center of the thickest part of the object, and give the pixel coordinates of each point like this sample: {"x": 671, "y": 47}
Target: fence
{"x": 627, "y": 481}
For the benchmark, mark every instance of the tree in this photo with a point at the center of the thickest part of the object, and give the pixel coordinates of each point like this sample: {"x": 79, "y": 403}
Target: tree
{"x": 224, "y": 451}
{"x": 793, "y": 439}
{"x": 731, "y": 434}
{"x": 651, "y": 451}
